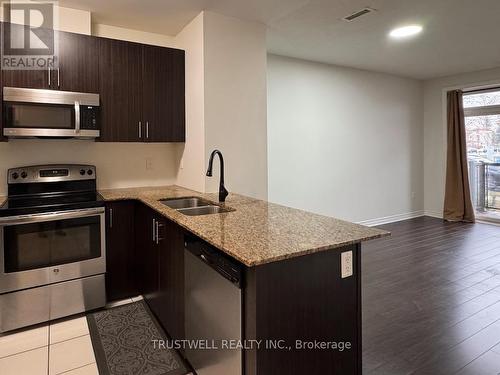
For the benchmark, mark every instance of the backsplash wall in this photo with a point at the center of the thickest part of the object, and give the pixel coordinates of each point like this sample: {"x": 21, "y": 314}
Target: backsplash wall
{"x": 118, "y": 164}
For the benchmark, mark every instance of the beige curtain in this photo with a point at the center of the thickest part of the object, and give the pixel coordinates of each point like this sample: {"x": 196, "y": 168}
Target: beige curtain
{"x": 457, "y": 201}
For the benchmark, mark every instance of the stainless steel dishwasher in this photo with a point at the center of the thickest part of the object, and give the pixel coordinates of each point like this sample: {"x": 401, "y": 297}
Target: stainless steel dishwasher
{"x": 213, "y": 310}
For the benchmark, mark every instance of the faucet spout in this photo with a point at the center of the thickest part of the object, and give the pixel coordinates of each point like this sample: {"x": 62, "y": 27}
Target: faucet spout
{"x": 223, "y": 193}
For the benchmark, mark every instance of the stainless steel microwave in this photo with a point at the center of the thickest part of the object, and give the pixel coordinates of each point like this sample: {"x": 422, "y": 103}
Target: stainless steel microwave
{"x": 36, "y": 113}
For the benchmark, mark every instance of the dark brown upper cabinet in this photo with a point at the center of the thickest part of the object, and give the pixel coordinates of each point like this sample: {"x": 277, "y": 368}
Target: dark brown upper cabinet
{"x": 141, "y": 87}
{"x": 163, "y": 105}
{"x": 33, "y": 79}
{"x": 77, "y": 68}
{"x": 120, "y": 89}
{"x": 142, "y": 93}
{"x": 2, "y": 138}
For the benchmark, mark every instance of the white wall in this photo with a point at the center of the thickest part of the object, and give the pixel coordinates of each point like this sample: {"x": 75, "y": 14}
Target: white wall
{"x": 344, "y": 142}
{"x": 191, "y": 170}
{"x": 68, "y": 19}
{"x": 114, "y": 32}
{"x": 435, "y": 131}
{"x": 225, "y": 104}
{"x": 74, "y": 20}
{"x": 235, "y": 102}
{"x": 118, "y": 165}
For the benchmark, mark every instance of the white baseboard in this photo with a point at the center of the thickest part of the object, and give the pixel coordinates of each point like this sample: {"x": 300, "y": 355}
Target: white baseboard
{"x": 412, "y": 215}
{"x": 436, "y": 214}
{"x": 439, "y": 215}
{"x": 391, "y": 219}
{"x": 487, "y": 222}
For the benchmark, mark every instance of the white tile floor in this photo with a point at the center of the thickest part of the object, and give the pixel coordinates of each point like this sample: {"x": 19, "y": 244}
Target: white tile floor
{"x": 59, "y": 347}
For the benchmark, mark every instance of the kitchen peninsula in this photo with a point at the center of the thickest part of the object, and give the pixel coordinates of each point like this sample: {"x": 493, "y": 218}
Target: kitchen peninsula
{"x": 293, "y": 290}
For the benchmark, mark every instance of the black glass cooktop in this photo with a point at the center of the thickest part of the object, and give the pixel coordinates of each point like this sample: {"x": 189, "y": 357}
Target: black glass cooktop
{"x": 24, "y": 205}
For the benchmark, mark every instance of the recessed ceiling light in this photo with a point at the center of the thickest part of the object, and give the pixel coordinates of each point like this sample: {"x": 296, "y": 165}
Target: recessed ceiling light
{"x": 406, "y": 31}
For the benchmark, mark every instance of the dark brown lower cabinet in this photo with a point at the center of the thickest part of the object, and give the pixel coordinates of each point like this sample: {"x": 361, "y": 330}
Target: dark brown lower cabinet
{"x": 304, "y": 302}
{"x": 171, "y": 278}
{"x": 300, "y": 303}
{"x": 146, "y": 253}
{"x": 160, "y": 260}
{"x": 120, "y": 250}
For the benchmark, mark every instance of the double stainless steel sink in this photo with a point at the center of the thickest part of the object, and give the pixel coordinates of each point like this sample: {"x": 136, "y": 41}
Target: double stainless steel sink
{"x": 193, "y": 206}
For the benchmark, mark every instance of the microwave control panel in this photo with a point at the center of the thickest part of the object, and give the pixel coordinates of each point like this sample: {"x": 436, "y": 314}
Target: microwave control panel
{"x": 89, "y": 117}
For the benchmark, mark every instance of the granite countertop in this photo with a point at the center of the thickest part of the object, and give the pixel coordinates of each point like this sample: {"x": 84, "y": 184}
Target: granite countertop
{"x": 256, "y": 232}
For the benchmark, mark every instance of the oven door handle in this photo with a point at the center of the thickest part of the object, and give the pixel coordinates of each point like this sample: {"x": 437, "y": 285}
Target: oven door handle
{"x": 51, "y": 216}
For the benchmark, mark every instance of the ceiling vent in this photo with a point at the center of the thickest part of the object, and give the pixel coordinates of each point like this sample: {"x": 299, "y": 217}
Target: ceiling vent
{"x": 358, "y": 14}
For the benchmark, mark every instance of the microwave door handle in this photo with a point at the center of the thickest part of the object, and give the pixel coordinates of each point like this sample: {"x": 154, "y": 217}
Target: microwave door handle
{"x": 77, "y": 117}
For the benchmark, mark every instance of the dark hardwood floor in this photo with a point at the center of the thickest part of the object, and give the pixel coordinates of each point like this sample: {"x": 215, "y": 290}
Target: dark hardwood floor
{"x": 431, "y": 299}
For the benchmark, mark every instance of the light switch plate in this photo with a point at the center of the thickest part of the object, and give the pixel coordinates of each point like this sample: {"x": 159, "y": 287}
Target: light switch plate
{"x": 346, "y": 264}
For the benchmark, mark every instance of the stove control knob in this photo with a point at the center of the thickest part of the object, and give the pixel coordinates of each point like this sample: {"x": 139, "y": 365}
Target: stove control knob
{"x": 82, "y": 171}
{"x": 24, "y": 174}
{"x": 90, "y": 172}
{"x": 15, "y": 175}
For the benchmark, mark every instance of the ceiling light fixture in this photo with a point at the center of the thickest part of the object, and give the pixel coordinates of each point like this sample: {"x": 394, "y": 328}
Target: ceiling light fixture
{"x": 405, "y": 31}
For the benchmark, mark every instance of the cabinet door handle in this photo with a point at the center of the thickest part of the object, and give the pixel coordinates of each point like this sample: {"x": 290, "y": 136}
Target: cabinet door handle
{"x": 48, "y": 70}
{"x": 111, "y": 218}
{"x": 158, "y": 226}
{"x": 58, "y": 78}
{"x": 140, "y": 130}
{"x": 147, "y": 129}
{"x": 154, "y": 230}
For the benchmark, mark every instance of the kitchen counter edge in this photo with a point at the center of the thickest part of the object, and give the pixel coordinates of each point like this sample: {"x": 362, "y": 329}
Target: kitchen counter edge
{"x": 151, "y": 195}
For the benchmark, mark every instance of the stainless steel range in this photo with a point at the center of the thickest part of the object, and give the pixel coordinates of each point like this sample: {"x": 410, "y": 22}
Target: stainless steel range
{"x": 52, "y": 245}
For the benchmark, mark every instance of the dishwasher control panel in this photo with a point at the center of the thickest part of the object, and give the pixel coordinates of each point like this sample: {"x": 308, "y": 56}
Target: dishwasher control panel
{"x": 220, "y": 262}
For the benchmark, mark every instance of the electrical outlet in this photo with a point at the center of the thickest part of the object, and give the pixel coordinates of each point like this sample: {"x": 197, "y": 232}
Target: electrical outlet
{"x": 346, "y": 264}
{"x": 149, "y": 164}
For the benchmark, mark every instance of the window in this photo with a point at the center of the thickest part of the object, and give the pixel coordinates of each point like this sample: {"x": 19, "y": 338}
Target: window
{"x": 482, "y": 126}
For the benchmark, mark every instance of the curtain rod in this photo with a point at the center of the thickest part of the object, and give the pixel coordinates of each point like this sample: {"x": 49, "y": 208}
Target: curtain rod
{"x": 476, "y": 90}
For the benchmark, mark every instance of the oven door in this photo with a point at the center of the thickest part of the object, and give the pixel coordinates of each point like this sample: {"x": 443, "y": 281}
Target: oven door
{"x": 42, "y": 249}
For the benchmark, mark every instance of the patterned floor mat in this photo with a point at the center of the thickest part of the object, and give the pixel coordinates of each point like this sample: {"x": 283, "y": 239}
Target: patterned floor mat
{"x": 123, "y": 343}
